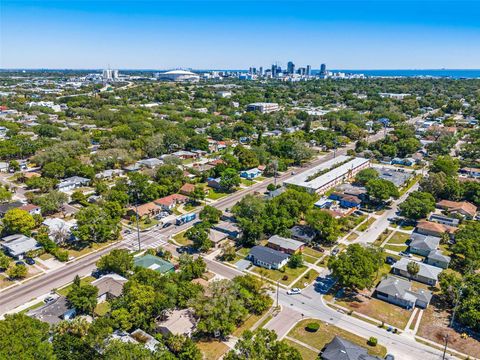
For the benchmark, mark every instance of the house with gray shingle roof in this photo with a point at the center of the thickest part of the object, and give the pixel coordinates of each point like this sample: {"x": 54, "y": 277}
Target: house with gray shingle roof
{"x": 427, "y": 274}
{"x": 423, "y": 244}
{"x": 285, "y": 245}
{"x": 268, "y": 258}
{"x": 436, "y": 258}
{"x": 398, "y": 291}
{"x": 341, "y": 349}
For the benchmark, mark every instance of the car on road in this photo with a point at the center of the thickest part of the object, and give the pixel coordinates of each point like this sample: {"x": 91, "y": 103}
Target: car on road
{"x": 389, "y": 329}
{"x": 294, "y": 291}
{"x": 335, "y": 251}
{"x": 166, "y": 225}
{"x": 405, "y": 254}
{"x": 389, "y": 357}
{"x": 127, "y": 231}
{"x": 293, "y": 172}
{"x": 29, "y": 261}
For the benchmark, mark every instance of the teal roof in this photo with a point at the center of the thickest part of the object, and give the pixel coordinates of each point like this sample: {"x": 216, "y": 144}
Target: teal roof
{"x": 154, "y": 263}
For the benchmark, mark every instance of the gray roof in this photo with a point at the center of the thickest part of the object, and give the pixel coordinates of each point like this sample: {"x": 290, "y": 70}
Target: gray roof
{"x": 426, "y": 271}
{"x": 437, "y": 255}
{"x": 396, "y": 177}
{"x": 438, "y": 217}
{"x": 74, "y": 180}
{"x": 341, "y": 349}
{"x": 400, "y": 288}
{"x": 51, "y": 313}
{"x": 12, "y": 205}
{"x": 267, "y": 255}
{"x": 19, "y": 244}
{"x": 152, "y": 162}
{"x": 285, "y": 243}
{"x": 303, "y": 233}
{"x": 424, "y": 242}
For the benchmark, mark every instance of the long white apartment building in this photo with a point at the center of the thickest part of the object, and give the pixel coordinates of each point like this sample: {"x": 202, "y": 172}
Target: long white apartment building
{"x": 329, "y": 174}
{"x": 263, "y": 107}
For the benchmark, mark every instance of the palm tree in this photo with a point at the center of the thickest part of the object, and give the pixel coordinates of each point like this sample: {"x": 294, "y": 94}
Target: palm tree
{"x": 413, "y": 268}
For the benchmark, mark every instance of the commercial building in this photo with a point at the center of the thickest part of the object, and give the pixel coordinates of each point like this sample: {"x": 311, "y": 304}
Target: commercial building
{"x": 263, "y": 107}
{"x": 325, "y": 176}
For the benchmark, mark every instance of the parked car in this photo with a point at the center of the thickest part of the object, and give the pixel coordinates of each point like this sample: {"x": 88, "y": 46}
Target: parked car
{"x": 389, "y": 357}
{"x": 294, "y": 291}
{"x": 49, "y": 300}
{"x": 335, "y": 251}
{"x": 29, "y": 261}
{"x": 405, "y": 254}
{"x": 98, "y": 273}
{"x": 166, "y": 225}
{"x": 390, "y": 260}
{"x": 127, "y": 231}
{"x": 20, "y": 263}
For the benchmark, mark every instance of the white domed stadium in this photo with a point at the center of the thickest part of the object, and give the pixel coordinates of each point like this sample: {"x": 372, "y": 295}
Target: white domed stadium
{"x": 178, "y": 75}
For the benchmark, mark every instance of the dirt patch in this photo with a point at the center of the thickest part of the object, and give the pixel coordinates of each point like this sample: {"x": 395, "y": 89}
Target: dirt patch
{"x": 435, "y": 326}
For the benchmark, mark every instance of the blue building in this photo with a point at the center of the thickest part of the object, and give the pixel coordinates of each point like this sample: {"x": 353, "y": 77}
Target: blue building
{"x": 251, "y": 174}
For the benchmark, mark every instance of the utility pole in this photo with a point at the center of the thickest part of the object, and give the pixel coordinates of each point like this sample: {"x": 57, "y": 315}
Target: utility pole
{"x": 335, "y": 148}
{"x": 136, "y": 217}
{"x": 445, "y": 348}
{"x": 278, "y": 286}
{"x": 275, "y": 167}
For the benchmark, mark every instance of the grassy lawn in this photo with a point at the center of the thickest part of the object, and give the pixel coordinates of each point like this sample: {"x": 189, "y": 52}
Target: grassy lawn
{"x": 212, "y": 350}
{"x": 306, "y": 353}
{"x": 398, "y": 238}
{"x": 102, "y": 309}
{"x": 310, "y": 276}
{"x": 312, "y": 252}
{"x": 310, "y": 259}
{"x": 352, "y": 237}
{"x": 215, "y": 194}
{"x": 247, "y": 182}
{"x": 277, "y": 275}
{"x": 243, "y": 252}
{"x": 4, "y": 282}
{"x": 181, "y": 239}
{"x": 45, "y": 256}
{"x": 384, "y": 270}
{"x": 326, "y": 333}
{"x": 407, "y": 227}
{"x": 146, "y": 224}
{"x": 87, "y": 249}
{"x": 396, "y": 247}
{"x": 381, "y": 238}
{"x": 189, "y": 207}
{"x": 33, "y": 307}
{"x": 64, "y": 291}
{"x": 366, "y": 224}
{"x": 247, "y": 324}
{"x": 377, "y": 309}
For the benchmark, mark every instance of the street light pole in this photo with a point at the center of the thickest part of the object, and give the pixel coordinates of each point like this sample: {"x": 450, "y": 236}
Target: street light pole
{"x": 136, "y": 216}
{"x": 445, "y": 348}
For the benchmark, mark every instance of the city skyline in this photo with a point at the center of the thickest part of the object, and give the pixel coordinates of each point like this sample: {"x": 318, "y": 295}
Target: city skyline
{"x": 239, "y": 34}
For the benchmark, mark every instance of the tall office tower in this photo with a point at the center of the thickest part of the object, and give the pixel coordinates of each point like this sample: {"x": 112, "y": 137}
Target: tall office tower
{"x": 290, "y": 68}
{"x": 308, "y": 70}
{"x": 323, "y": 69}
{"x": 274, "y": 70}
{"x": 115, "y": 74}
{"x": 250, "y": 70}
{"x": 279, "y": 69}
{"x": 260, "y": 71}
{"x": 301, "y": 71}
{"x": 255, "y": 71}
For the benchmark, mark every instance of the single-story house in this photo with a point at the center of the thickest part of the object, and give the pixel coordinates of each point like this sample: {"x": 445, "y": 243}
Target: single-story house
{"x": 31, "y": 209}
{"x": 346, "y": 201}
{"x": 251, "y": 173}
{"x": 154, "y": 263}
{"x": 427, "y": 274}
{"x": 149, "y": 163}
{"x": 398, "y": 291}
{"x": 182, "y": 154}
{"x": 434, "y": 229}
{"x": 136, "y": 337}
{"x": 109, "y": 287}
{"x": 149, "y": 209}
{"x": 109, "y": 174}
{"x": 187, "y": 189}
{"x": 445, "y": 220}
{"x": 132, "y": 167}
{"x": 341, "y": 349}
{"x": 11, "y": 205}
{"x": 214, "y": 183}
{"x": 324, "y": 203}
{"x": 230, "y": 228}
{"x": 216, "y": 237}
{"x": 170, "y": 201}
{"x": 436, "y": 258}
{"x": 462, "y": 208}
{"x": 423, "y": 244}
{"x": 303, "y": 233}
{"x": 72, "y": 183}
{"x": 59, "y": 230}
{"x": 18, "y": 245}
{"x": 268, "y": 258}
{"x": 53, "y": 312}
{"x": 285, "y": 245}
{"x": 472, "y": 172}
{"x": 178, "y": 322}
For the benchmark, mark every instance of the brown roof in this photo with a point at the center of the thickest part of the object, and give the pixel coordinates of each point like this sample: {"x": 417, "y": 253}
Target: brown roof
{"x": 171, "y": 199}
{"x": 146, "y": 209}
{"x": 109, "y": 285}
{"x": 187, "y": 188}
{"x": 458, "y": 206}
{"x": 436, "y": 227}
{"x": 29, "y": 207}
{"x": 29, "y": 175}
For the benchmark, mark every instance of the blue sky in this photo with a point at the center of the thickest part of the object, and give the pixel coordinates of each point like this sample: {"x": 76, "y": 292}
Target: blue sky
{"x": 238, "y": 34}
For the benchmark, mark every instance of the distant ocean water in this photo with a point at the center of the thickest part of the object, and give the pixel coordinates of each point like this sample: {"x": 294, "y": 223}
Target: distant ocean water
{"x": 448, "y": 73}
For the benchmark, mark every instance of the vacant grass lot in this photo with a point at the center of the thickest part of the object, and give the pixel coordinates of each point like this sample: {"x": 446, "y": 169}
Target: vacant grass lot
{"x": 212, "y": 350}
{"x": 215, "y": 194}
{"x": 326, "y": 333}
{"x": 396, "y": 248}
{"x": 306, "y": 353}
{"x": 284, "y": 278}
{"x": 398, "y": 238}
{"x": 64, "y": 291}
{"x": 181, "y": 239}
{"x": 308, "y": 278}
{"x": 381, "y": 238}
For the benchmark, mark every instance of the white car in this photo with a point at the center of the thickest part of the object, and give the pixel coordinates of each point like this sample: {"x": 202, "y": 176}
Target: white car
{"x": 294, "y": 291}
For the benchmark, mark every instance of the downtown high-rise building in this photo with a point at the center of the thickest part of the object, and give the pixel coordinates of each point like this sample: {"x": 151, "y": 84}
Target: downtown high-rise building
{"x": 323, "y": 69}
{"x": 290, "y": 68}
{"x": 308, "y": 71}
